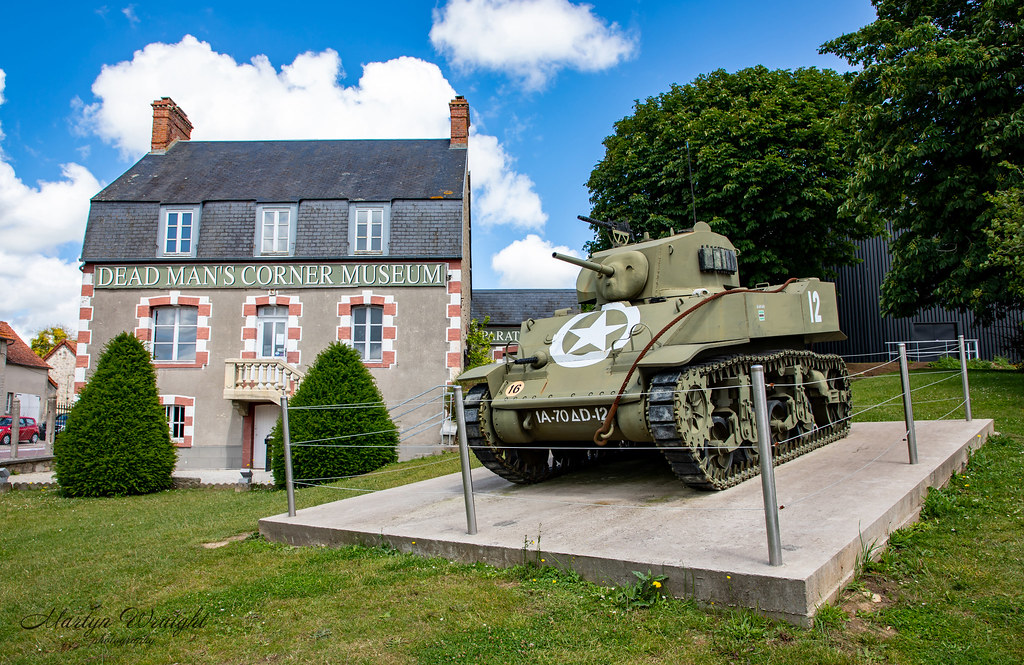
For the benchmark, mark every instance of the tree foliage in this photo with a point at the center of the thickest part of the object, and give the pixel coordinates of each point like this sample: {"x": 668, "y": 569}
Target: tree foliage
{"x": 768, "y": 168}
{"x": 117, "y": 440}
{"x": 478, "y": 344}
{"x": 939, "y": 134}
{"x": 358, "y": 439}
{"x": 1006, "y": 234}
{"x": 46, "y": 339}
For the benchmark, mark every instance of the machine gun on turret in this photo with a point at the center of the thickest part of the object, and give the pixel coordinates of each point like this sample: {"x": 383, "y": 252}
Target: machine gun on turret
{"x": 619, "y": 232}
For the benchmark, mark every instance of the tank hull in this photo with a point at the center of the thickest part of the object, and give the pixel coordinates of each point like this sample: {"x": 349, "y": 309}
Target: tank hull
{"x": 669, "y": 368}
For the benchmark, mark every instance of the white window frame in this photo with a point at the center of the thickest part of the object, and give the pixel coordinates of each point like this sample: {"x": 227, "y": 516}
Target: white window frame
{"x": 371, "y": 332}
{"x": 172, "y": 412}
{"x": 362, "y": 232}
{"x": 278, "y": 319}
{"x": 176, "y": 343}
{"x": 177, "y": 241}
{"x": 277, "y": 248}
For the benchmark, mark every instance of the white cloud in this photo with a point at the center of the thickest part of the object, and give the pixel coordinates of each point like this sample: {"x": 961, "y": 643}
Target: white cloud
{"x": 226, "y": 100}
{"x": 37, "y": 219}
{"x": 530, "y": 39}
{"x": 509, "y": 197}
{"x": 528, "y": 264}
{"x": 129, "y": 13}
{"x": 39, "y": 292}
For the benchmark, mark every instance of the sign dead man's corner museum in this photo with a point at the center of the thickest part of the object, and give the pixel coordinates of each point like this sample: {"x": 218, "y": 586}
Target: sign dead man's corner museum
{"x": 269, "y": 275}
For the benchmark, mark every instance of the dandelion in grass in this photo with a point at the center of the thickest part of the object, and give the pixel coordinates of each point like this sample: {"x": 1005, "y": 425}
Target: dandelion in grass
{"x": 657, "y": 584}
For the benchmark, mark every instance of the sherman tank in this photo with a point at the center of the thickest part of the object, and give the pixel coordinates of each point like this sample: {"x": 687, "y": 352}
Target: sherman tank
{"x": 661, "y": 356}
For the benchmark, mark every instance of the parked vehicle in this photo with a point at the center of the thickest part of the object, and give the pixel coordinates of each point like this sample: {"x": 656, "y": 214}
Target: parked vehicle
{"x": 60, "y": 423}
{"x": 29, "y": 430}
{"x": 651, "y": 365}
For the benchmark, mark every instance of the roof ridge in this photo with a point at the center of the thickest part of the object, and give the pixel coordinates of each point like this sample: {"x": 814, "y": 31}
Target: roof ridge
{"x": 18, "y": 352}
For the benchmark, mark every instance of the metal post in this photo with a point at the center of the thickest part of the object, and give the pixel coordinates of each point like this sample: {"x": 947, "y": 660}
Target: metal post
{"x": 289, "y": 484}
{"x": 963, "y": 375}
{"x": 908, "y": 408}
{"x": 15, "y": 426}
{"x": 51, "y": 425}
{"x": 467, "y": 475}
{"x": 764, "y": 451}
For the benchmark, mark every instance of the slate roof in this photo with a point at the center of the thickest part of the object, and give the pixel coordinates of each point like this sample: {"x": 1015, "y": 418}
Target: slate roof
{"x": 510, "y": 307}
{"x": 281, "y": 171}
{"x": 18, "y": 352}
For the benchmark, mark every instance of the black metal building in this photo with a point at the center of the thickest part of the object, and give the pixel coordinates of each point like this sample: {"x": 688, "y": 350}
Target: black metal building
{"x": 859, "y": 287}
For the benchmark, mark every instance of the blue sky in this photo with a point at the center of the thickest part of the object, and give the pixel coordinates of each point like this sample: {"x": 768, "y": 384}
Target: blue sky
{"x": 545, "y": 79}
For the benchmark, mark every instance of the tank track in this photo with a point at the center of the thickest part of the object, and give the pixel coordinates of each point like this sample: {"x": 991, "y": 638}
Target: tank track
{"x": 521, "y": 465}
{"x": 701, "y": 416}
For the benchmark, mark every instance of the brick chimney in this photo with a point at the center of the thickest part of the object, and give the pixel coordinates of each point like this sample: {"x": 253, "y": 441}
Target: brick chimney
{"x": 170, "y": 124}
{"x": 460, "y": 122}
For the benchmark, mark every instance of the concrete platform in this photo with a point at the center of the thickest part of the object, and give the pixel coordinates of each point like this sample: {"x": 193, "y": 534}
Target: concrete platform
{"x": 635, "y": 516}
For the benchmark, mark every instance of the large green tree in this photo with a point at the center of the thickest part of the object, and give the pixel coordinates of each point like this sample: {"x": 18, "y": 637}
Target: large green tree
{"x": 769, "y": 169}
{"x": 1006, "y": 234}
{"x": 352, "y": 426}
{"x": 939, "y": 119}
{"x": 46, "y": 339}
{"x": 117, "y": 440}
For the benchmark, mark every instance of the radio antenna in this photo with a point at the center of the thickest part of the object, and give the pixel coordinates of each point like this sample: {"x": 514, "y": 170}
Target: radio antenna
{"x": 692, "y": 195}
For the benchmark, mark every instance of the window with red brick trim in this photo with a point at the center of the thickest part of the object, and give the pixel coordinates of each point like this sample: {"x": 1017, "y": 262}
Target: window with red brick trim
{"x": 176, "y": 421}
{"x": 174, "y": 333}
{"x": 368, "y": 332}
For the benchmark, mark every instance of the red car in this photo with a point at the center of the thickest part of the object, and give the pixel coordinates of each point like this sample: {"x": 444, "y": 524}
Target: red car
{"x": 29, "y": 430}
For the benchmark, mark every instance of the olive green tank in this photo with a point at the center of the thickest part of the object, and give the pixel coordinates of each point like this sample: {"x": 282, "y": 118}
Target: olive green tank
{"x": 663, "y": 360}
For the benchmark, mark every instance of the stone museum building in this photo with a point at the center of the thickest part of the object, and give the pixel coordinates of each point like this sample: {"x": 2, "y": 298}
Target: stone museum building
{"x": 237, "y": 262}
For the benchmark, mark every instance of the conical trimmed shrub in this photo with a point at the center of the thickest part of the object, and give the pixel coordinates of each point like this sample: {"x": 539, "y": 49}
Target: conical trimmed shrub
{"x": 116, "y": 441}
{"x": 357, "y": 439}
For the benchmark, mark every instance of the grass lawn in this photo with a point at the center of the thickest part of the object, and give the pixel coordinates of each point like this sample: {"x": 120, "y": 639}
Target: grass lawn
{"x": 949, "y": 590}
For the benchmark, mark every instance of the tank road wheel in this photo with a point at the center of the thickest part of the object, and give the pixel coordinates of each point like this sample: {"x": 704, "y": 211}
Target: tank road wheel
{"x": 522, "y": 465}
{"x": 839, "y": 411}
{"x": 702, "y": 416}
{"x": 693, "y": 408}
{"x": 697, "y": 431}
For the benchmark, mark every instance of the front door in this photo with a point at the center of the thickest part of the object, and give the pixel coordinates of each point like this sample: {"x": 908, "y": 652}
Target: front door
{"x": 264, "y": 418}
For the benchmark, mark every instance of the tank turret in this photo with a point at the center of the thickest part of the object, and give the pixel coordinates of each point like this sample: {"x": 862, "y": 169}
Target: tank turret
{"x": 664, "y": 358}
{"x": 697, "y": 260}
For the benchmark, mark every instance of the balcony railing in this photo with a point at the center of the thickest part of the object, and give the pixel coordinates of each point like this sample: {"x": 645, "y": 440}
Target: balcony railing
{"x": 259, "y": 380}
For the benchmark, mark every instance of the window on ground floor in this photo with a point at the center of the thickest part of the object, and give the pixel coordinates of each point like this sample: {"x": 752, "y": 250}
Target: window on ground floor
{"x": 176, "y": 421}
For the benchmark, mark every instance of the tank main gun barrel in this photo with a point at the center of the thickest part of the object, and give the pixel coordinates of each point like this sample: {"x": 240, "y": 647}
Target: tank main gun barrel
{"x": 607, "y": 271}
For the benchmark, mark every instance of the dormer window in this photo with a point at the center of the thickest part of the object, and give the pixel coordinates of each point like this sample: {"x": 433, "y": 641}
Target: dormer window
{"x": 275, "y": 229}
{"x": 179, "y": 229}
{"x": 369, "y": 227}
